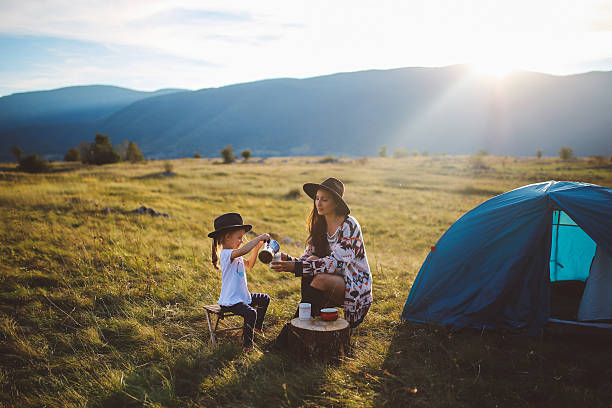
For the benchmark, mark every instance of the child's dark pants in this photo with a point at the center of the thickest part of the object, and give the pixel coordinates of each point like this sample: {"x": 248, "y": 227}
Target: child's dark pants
{"x": 253, "y": 314}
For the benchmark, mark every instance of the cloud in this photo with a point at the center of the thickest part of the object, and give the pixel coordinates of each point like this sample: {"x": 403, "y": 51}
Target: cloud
{"x": 195, "y": 16}
{"x": 61, "y": 62}
{"x": 221, "y": 42}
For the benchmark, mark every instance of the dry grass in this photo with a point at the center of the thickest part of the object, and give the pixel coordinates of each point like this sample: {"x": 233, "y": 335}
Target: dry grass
{"x": 99, "y": 306}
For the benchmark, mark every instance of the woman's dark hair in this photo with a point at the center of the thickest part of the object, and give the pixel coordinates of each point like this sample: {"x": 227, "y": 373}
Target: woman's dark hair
{"x": 317, "y": 228}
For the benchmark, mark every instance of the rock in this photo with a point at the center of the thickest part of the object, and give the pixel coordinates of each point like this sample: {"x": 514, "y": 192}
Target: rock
{"x": 150, "y": 211}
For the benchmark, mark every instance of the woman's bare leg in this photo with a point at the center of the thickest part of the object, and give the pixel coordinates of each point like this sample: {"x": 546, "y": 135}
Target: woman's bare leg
{"x": 332, "y": 285}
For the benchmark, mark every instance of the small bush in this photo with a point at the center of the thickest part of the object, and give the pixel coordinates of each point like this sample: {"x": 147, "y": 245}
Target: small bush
{"x": 16, "y": 150}
{"x": 476, "y": 162}
{"x": 246, "y": 154}
{"x": 196, "y": 155}
{"x": 133, "y": 154}
{"x": 99, "y": 152}
{"x": 400, "y": 153}
{"x": 415, "y": 153}
{"x": 33, "y": 164}
{"x": 328, "y": 159}
{"x": 382, "y": 152}
{"x": 228, "y": 154}
{"x": 539, "y": 154}
{"x": 362, "y": 161}
{"x": 293, "y": 194}
{"x": 73, "y": 155}
{"x": 566, "y": 153}
{"x": 168, "y": 167}
{"x": 597, "y": 160}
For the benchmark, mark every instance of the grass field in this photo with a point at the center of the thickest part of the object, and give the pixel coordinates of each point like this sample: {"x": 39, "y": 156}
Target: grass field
{"x": 103, "y": 307}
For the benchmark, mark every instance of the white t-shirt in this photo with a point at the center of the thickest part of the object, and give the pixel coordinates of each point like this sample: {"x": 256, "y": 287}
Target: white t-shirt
{"x": 233, "y": 280}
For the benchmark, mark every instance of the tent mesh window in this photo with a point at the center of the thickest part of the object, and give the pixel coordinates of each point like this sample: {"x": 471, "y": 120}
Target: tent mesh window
{"x": 571, "y": 250}
{"x": 571, "y": 254}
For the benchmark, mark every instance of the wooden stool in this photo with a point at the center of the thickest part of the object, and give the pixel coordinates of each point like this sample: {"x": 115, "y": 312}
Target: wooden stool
{"x": 221, "y": 314}
{"x": 315, "y": 338}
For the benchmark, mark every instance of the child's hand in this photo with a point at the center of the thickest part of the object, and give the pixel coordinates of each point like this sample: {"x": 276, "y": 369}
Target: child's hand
{"x": 259, "y": 245}
{"x": 312, "y": 258}
{"x": 263, "y": 237}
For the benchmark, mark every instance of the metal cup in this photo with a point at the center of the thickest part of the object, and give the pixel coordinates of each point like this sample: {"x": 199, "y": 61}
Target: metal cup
{"x": 268, "y": 252}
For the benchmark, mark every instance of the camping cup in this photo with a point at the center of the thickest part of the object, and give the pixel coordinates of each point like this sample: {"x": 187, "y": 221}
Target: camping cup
{"x": 269, "y": 251}
{"x": 304, "y": 311}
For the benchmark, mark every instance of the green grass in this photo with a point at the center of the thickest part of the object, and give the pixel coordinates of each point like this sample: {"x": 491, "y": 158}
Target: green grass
{"x": 102, "y": 307}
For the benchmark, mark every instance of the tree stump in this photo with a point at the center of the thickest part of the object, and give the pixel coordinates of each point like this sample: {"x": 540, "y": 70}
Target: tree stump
{"x": 318, "y": 339}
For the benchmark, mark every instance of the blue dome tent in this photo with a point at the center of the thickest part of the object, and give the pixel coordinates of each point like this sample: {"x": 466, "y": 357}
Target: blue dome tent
{"x": 494, "y": 266}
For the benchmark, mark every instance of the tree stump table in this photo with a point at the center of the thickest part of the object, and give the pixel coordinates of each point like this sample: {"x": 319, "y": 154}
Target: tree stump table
{"x": 319, "y": 339}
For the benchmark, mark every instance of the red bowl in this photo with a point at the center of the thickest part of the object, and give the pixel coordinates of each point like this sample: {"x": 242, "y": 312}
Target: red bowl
{"x": 329, "y": 314}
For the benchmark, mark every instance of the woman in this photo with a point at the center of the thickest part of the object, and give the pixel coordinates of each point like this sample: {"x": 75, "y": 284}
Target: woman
{"x": 334, "y": 267}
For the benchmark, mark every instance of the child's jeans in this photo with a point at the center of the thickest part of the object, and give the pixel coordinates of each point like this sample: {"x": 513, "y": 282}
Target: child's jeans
{"x": 253, "y": 314}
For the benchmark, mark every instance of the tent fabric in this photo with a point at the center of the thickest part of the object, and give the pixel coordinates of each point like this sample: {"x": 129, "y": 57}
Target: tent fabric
{"x": 491, "y": 268}
{"x": 596, "y": 302}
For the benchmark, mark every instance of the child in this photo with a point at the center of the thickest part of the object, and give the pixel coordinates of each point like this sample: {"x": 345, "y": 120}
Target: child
{"x": 235, "y": 296}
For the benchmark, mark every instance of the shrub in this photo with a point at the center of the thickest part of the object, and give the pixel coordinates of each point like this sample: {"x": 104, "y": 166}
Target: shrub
{"x": 33, "y": 164}
{"x": 73, "y": 155}
{"x": 476, "y": 162}
{"x": 399, "y": 153}
{"x": 362, "y": 161}
{"x": 415, "y": 153}
{"x": 196, "y": 155}
{"x": 168, "y": 167}
{"x": 121, "y": 149}
{"x": 539, "y": 154}
{"x": 382, "y": 152}
{"x": 425, "y": 152}
{"x": 293, "y": 194}
{"x": 133, "y": 154}
{"x": 566, "y": 153}
{"x": 228, "y": 154}
{"x": 16, "y": 150}
{"x": 598, "y": 160}
{"x": 246, "y": 154}
{"x": 99, "y": 152}
{"x": 328, "y": 159}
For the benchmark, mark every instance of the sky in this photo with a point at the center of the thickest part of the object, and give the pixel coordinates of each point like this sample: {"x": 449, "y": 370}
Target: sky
{"x": 154, "y": 44}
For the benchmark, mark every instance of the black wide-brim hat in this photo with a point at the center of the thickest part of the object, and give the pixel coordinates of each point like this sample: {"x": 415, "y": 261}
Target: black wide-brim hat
{"x": 228, "y": 221}
{"x": 333, "y": 185}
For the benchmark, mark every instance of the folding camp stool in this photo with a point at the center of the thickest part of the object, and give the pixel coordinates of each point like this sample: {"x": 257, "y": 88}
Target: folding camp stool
{"x": 221, "y": 314}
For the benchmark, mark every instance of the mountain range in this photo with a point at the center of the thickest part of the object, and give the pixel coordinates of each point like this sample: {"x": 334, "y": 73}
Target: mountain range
{"x": 441, "y": 110}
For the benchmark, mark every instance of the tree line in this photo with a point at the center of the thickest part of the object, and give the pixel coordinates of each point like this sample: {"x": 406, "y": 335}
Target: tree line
{"x": 98, "y": 152}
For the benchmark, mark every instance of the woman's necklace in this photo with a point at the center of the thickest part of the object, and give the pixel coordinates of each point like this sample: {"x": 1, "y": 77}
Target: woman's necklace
{"x": 336, "y": 225}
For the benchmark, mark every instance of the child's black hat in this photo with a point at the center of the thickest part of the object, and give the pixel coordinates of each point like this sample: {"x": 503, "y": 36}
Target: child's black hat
{"x": 228, "y": 222}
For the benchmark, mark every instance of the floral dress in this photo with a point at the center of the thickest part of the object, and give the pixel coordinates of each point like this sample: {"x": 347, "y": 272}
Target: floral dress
{"x": 347, "y": 259}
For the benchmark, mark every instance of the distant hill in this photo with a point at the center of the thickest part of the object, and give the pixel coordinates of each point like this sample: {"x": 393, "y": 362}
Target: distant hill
{"x": 48, "y": 121}
{"x": 448, "y": 110}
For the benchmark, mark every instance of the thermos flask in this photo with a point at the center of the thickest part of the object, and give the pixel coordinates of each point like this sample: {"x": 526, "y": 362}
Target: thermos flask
{"x": 270, "y": 249}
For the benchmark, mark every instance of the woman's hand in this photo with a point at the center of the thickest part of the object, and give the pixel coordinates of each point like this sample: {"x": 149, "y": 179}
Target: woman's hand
{"x": 283, "y": 266}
